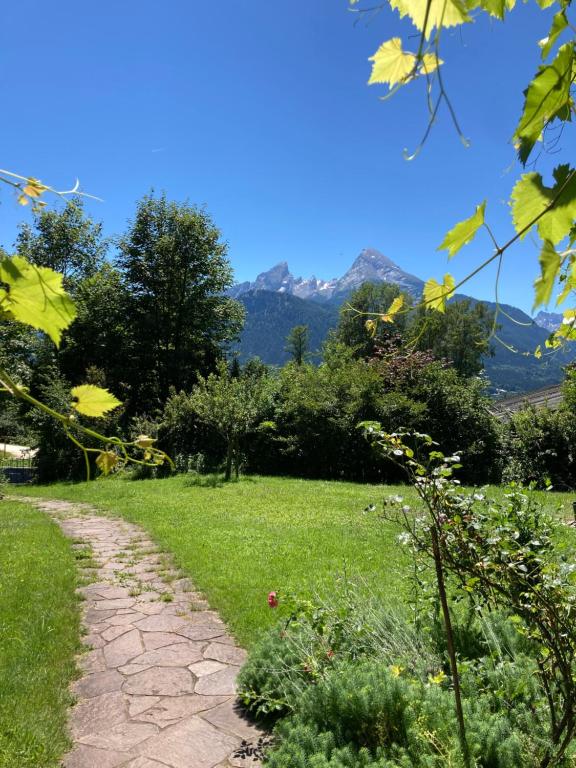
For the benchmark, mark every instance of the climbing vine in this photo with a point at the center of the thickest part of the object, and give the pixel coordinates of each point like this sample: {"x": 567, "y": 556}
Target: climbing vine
{"x": 543, "y": 208}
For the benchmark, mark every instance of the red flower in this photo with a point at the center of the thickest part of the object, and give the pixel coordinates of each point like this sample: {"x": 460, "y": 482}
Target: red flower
{"x": 272, "y": 600}
{"x": 330, "y": 653}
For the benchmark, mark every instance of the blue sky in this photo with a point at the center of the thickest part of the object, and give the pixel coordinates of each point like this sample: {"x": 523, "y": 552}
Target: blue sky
{"x": 260, "y": 111}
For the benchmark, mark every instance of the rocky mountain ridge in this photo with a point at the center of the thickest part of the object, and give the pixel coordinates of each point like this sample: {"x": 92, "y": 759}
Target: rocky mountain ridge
{"x": 369, "y": 266}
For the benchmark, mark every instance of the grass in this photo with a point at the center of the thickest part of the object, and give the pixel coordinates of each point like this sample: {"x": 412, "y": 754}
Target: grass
{"x": 238, "y": 541}
{"x": 39, "y": 631}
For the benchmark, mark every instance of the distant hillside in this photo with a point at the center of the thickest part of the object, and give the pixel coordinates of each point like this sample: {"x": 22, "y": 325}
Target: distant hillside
{"x": 277, "y": 301}
{"x": 271, "y": 316}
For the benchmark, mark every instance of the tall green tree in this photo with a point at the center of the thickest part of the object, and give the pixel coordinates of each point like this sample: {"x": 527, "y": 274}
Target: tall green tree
{"x": 298, "y": 344}
{"x": 357, "y": 328}
{"x": 460, "y": 334}
{"x": 100, "y": 337}
{"x": 175, "y": 271}
{"x": 66, "y": 240}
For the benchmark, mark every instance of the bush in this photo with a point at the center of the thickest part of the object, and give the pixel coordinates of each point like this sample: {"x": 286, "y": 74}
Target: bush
{"x": 364, "y": 714}
{"x": 538, "y": 447}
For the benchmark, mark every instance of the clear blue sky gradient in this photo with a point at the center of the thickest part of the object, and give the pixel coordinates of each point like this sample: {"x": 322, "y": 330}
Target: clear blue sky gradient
{"x": 260, "y": 111}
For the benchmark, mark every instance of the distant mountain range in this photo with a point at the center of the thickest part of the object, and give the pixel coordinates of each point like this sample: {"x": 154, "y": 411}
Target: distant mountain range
{"x": 370, "y": 266}
{"x": 277, "y": 301}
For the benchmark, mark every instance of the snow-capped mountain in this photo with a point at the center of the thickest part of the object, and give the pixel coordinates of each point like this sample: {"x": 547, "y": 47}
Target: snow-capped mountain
{"x": 369, "y": 266}
{"x": 548, "y": 320}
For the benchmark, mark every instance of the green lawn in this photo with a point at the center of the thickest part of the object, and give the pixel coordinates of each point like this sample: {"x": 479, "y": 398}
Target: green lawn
{"x": 39, "y": 631}
{"x": 241, "y": 540}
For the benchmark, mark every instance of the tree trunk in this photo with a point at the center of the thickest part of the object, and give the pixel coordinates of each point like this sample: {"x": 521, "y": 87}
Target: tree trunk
{"x": 229, "y": 453}
{"x": 450, "y": 643}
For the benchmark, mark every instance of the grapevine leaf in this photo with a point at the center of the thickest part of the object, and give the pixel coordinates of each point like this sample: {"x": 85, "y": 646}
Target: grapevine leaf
{"x": 434, "y": 14}
{"x": 106, "y": 461}
{"x": 391, "y": 64}
{"x": 393, "y": 310}
{"x": 530, "y": 198}
{"x": 545, "y": 3}
{"x": 559, "y": 24}
{"x": 436, "y": 294}
{"x": 546, "y": 98}
{"x": 430, "y": 62}
{"x": 495, "y": 8}
{"x": 550, "y": 262}
{"x": 463, "y": 232}
{"x": 35, "y": 296}
{"x": 144, "y": 441}
{"x": 93, "y": 401}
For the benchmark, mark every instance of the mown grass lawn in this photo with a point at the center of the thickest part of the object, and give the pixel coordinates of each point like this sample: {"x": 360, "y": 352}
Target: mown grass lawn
{"x": 239, "y": 541}
{"x": 39, "y": 636}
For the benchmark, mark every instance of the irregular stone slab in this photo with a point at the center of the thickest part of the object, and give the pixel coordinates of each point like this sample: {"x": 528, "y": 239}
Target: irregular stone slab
{"x": 230, "y": 718}
{"x": 122, "y": 618}
{"x": 93, "y": 661}
{"x": 221, "y": 683}
{"x": 98, "y": 714}
{"x": 229, "y": 654}
{"x": 201, "y": 632}
{"x": 144, "y": 762}
{"x": 114, "y": 605}
{"x": 170, "y": 710}
{"x": 132, "y": 669}
{"x": 121, "y": 737}
{"x": 193, "y": 743}
{"x": 98, "y": 683}
{"x": 154, "y": 640}
{"x": 124, "y": 648}
{"x": 161, "y": 681}
{"x": 111, "y": 592}
{"x": 93, "y": 615}
{"x": 208, "y": 667}
{"x": 93, "y": 640}
{"x": 138, "y": 704}
{"x": 113, "y": 632}
{"x": 150, "y": 609}
{"x": 88, "y": 757}
{"x": 160, "y": 623}
{"x": 180, "y": 655}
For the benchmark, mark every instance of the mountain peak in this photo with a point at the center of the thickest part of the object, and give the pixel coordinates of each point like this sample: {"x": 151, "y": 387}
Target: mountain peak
{"x": 369, "y": 266}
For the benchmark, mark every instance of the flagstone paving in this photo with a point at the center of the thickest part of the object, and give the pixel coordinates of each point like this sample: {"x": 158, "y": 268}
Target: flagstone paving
{"x": 158, "y": 679}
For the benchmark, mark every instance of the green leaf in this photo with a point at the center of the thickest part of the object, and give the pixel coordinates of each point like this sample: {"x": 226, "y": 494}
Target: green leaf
{"x": 463, "y": 232}
{"x": 93, "y": 401}
{"x": 550, "y": 262}
{"x": 391, "y": 64}
{"x": 559, "y": 24}
{"x": 496, "y": 8}
{"x": 436, "y": 294}
{"x": 106, "y": 461}
{"x": 441, "y": 13}
{"x": 393, "y": 310}
{"x": 547, "y": 97}
{"x": 530, "y": 197}
{"x": 35, "y": 296}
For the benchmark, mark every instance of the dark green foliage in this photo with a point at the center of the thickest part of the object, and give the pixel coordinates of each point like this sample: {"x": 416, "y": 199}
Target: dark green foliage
{"x": 460, "y": 335}
{"x": 298, "y": 344}
{"x": 538, "y": 447}
{"x": 365, "y": 302}
{"x": 458, "y": 418}
{"x": 65, "y": 240}
{"x": 174, "y": 269}
{"x": 365, "y": 714}
{"x": 271, "y": 316}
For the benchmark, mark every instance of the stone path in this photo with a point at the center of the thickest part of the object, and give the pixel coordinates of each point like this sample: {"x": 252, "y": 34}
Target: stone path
{"x": 158, "y": 684}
